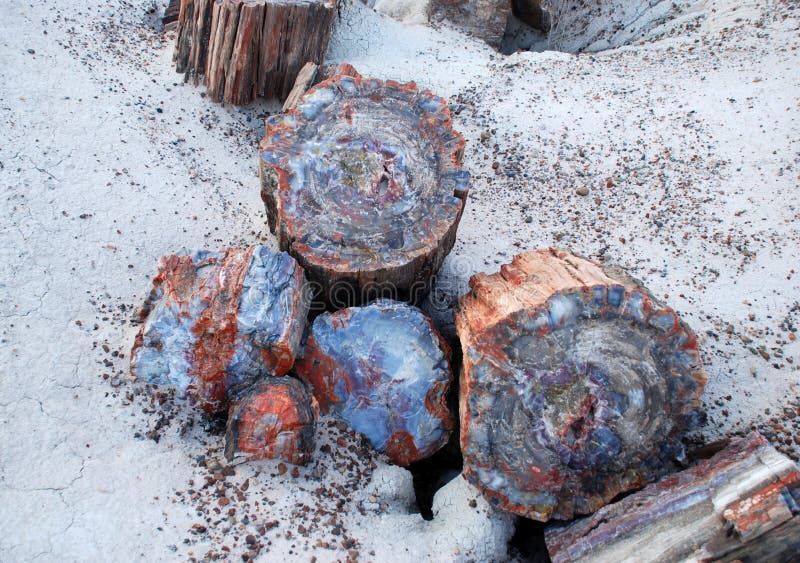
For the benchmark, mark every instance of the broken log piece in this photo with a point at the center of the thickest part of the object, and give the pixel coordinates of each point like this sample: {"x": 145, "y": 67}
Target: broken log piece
{"x": 273, "y": 419}
{"x": 385, "y": 370}
{"x": 312, "y": 74}
{"x": 743, "y": 504}
{"x": 484, "y": 19}
{"x": 576, "y": 386}
{"x": 363, "y": 185}
{"x": 216, "y": 322}
{"x": 245, "y": 49}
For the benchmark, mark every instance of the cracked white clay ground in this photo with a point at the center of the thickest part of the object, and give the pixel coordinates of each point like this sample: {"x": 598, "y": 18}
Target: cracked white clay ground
{"x": 688, "y": 149}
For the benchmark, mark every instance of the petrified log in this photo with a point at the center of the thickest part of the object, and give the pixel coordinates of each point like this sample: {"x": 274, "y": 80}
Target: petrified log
{"x": 250, "y": 48}
{"x": 385, "y": 370}
{"x": 577, "y": 385}
{"x": 216, "y": 322}
{"x": 274, "y": 419}
{"x": 363, "y": 185}
{"x": 740, "y": 505}
{"x": 312, "y": 74}
{"x": 485, "y": 19}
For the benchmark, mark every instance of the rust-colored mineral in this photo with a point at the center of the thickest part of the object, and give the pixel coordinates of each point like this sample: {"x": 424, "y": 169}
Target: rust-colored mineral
{"x": 385, "y": 370}
{"x": 274, "y": 419}
{"x": 363, "y": 185}
{"x": 216, "y": 322}
{"x": 577, "y": 385}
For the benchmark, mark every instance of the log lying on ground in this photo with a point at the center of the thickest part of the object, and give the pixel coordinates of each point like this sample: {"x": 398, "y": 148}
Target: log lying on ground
{"x": 485, "y": 19}
{"x": 274, "y": 419}
{"x": 216, "y": 322}
{"x": 245, "y": 49}
{"x": 363, "y": 185}
{"x": 385, "y": 370}
{"x": 741, "y": 505}
{"x": 576, "y": 385}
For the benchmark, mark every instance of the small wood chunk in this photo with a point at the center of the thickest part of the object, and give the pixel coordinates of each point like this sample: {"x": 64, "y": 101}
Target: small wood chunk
{"x": 245, "y": 49}
{"x": 577, "y": 385}
{"x": 385, "y": 370}
{"x": 485, "y": 19}
{"x": 363, "y": 185}
{"x": 274, "y": 419}
{"x": 215, "y": 322}
{"x": 312, "y": 74}
{"x": 743, "y": 504}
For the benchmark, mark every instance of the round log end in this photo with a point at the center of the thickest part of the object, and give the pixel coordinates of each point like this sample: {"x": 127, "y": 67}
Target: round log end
{"x": 577, "y": 385}
{"x": 363, "y": 185}
{"x": 384, "y": 370}
{"x": 275, "y": 419}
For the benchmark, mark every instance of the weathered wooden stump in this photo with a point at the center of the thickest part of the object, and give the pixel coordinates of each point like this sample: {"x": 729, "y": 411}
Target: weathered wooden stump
{"x": 274, "y": 419}
{"x": 385, "y": 370}
{"x": 249, "y": 48}
{"x": 576, "y": 385}
{"x": 363, "y": 185}
{"x": 216, "y": 322}
{"x": 485, "y": 19}
{"x": 743, "y": 504}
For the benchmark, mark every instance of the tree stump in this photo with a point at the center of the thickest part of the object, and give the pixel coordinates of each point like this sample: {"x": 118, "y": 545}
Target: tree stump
{"x": 216, "y": 322}
{"x": 250, "y": 48}
{"x": 274, "y": 419}
{"x": 485, "y": 19}
{"x": 577, "y": 385}
{"x": 385, "y": 370}
{"x": 743, "y": 504}
{"x": 363, "y": 185}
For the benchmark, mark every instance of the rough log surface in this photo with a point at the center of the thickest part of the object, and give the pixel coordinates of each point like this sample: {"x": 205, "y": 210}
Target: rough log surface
{"x": 486, "y": 19}
{"x": 274, "y": 419}
{"x": 576, "y": 385}
{"x": 245, "y": 49}
{"x": 385, "y": 370}
{"x": 743, "y": 504}
{"x": 215, "y": 322}
{"x": 363, "y": 185}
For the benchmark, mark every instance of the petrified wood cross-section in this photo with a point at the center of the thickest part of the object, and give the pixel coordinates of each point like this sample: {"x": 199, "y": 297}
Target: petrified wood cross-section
{"x": 249, "y": 48}
{"x": 216, "y": 322}
{"x": 743, "y": 504}
{"x": 273, "y": 419}
{"x": 577, "y": 385}
{"x": 363, "y": 185}
{"x": 385, "y": 370}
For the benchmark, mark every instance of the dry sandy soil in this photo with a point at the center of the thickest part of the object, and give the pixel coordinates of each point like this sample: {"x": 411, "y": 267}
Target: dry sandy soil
{"x": 686, "y": 144}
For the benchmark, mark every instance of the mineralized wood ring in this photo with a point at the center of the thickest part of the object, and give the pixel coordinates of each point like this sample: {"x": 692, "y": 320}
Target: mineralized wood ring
{"x": 576, "y": 385}
{"x": 363, "y": 185}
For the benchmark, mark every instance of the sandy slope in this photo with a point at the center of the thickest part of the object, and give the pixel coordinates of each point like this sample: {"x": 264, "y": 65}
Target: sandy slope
{"x": 689, "y": 146}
